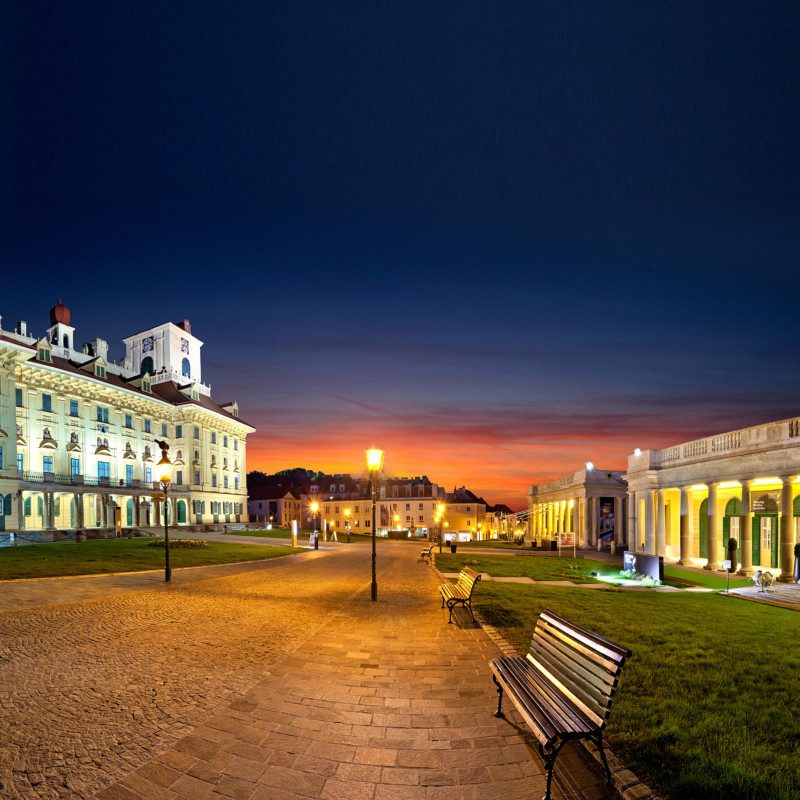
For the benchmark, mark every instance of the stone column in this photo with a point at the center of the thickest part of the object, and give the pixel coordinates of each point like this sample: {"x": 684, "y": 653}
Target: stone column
{"x": 787, "y": 534}
{"x": 649, "y": 538}
{"x": 661, "y": 524}
{"x": 746, "y": 532}
{"x": 631, "y": 532}
{"x": 49, "y": 508}
{"x": 79, "y": 524}
{"x": 619, "y": 521}
{"x": 21, "y": 511}
{"x": 686, "y": 526}
{"x": 713, "y": 518}
{"x": 587, "y": 522}
{"x": 593, "y": 502}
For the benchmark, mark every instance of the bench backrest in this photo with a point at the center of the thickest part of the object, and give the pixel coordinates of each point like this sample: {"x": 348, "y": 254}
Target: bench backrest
{"x": 467, "y": 580}
{"x": 582, "y": 664}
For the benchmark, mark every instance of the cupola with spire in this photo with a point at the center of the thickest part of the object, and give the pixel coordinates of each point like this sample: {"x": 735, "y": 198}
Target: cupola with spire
{"x": 60, "y": 331}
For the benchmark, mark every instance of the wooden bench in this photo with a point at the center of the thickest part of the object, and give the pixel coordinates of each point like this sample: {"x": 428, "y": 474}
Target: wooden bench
{"x": 426, "y": 553}
{"x": 461, "y": 592}
{"x": 563, "y": 688}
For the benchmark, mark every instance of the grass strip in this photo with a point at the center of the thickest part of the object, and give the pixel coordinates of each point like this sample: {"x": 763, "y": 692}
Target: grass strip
{"x": 540, "y": 568}
{"x": 710, "y": 580}
{"x": 121, "y": 555}
{"x": 705, "y": 706}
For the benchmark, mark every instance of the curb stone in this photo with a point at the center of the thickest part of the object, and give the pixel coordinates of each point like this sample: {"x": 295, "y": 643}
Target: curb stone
{"x": 625, "y": 782}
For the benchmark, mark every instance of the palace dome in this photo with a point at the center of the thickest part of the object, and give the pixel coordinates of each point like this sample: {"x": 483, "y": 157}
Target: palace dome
{"x": 59, "y": 313}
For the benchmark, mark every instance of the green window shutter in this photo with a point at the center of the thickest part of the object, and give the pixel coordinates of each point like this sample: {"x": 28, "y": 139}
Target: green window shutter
{"x": 774, "y": 523}
{"x": 7, "y": 506}
{"x": 756, "y": 543}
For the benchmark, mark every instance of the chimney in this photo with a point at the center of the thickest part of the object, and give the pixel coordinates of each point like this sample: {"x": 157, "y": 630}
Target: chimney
{"x": 87, "y": 349}
{"x": 187, "y": 326}
{"x": 100, "y": 347}
{"x": 22, "y": 328}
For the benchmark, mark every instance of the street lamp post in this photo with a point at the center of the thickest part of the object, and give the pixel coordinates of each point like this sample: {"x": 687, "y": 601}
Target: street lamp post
{"x": 374, "y": 463}
{"x": 164, "y": 472}
{"x": 347, "y": 522}
{"x": 441, "y": 526}
{"x": 314, "y": 507}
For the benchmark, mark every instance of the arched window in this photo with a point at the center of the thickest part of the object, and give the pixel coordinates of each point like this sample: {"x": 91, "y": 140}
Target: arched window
{"x": 147, "y": 366}
{"x": 66, "y": 341}
{"x": 186, "y": 369}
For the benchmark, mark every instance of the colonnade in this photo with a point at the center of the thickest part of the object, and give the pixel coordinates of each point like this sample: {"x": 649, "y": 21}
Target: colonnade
{"x": 577, "y": 515}
{"x": 694, "y": 522}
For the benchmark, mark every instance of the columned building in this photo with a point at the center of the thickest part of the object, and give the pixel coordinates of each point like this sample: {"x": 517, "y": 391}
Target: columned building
{"x": 79, "y": 433}
{"x": 687, "y": 501}
{"x": 591, "y": 503}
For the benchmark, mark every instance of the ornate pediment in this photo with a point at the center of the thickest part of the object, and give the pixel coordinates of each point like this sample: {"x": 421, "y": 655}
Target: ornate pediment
{"x": 48, "y": 444}
{"x": 74, "y": 447}
{"x": 102, "y": 450}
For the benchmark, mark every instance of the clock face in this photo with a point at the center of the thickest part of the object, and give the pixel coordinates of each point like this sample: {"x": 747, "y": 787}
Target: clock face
{"x": 184, "y": 345}
{"x": 147, "y": 344}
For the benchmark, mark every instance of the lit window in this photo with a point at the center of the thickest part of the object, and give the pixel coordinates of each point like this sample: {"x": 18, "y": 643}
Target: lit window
{"x": 148, "y": 474}
{"x": 103, "y": 469}
{"x": 47, "y": 464}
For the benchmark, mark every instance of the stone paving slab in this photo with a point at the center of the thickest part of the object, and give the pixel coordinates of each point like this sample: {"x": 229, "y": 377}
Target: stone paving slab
{"x": 384, "y": 701}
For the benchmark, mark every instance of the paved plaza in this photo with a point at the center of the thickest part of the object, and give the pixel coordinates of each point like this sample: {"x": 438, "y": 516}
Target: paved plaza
{"x": 275, "y": 680}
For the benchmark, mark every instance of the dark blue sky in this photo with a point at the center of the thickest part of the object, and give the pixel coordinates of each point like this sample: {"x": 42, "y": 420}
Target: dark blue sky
{"x": 498, "y": 239}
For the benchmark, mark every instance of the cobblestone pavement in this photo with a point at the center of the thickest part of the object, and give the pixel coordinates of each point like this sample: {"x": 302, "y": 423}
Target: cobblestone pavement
{"x": 384, "y": 701}
{"x": 90, "y": 690}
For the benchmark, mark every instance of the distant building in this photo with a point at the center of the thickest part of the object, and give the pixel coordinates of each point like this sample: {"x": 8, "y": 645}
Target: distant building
{"x": 408, "y": 504}
{"x": 78, "y": 432}
{"x": 591, "y": 503}
{"x": 466, "y": 513}
{"x": 273, "y": 505}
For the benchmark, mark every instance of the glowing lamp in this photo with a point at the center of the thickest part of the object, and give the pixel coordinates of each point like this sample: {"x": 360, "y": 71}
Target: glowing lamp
{"x": 374, "y": 460}
{"x": 164, "y": 468}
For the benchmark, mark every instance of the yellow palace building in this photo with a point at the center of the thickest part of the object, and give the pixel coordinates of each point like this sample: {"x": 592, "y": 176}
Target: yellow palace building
{"x": 79, "y": 433}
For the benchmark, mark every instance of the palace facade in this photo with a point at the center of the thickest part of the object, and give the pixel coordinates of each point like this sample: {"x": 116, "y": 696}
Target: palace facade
{"x": 79, "y": 433}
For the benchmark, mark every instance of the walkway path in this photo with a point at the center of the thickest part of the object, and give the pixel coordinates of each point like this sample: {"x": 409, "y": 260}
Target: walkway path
{"x": 386, "y": 700}
{"x": 281, "y": 681}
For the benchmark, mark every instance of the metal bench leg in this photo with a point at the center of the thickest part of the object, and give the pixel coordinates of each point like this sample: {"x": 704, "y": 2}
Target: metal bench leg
{"x": 549, "y": 758}
{"x": 599, "y": 741}
{"x": 450, "y": 607}
{"x": 499, "y": 712}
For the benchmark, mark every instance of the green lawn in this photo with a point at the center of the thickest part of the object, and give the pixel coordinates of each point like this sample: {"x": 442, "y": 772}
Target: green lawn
{"x": 120, "y": 555}
{"x": 712, "y": 580}
{"x": 540, "y": 568}
{"x": 705, "y": 707}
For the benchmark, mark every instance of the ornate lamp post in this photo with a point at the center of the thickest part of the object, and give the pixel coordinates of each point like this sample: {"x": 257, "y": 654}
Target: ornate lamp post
{"x": 374, "y": 463}
{"x": 164, "y": 472}
{"x": 347, "y": 522}
{"x": 441, "y": 531}
{"x": 314, "y": 507}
